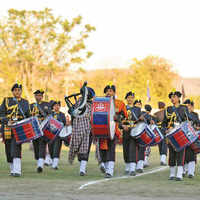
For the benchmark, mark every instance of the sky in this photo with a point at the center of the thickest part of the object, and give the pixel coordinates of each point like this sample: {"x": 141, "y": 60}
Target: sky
{"x": 126, "y": 29}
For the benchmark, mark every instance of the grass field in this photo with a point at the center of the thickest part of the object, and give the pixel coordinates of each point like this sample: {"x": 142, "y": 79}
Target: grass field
{"x": 65, "y": 182}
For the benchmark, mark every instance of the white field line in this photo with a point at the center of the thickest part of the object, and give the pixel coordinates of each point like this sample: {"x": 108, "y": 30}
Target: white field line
{"x": 122, "y": 177}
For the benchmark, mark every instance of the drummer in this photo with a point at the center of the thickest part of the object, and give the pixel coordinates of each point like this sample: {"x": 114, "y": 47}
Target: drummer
{"x": 190, "y": 156}
{"x": 149, "y": 119}
{"x": 129, "y": 144}
{"x": 175, "y": 115}
{"x": 40, "y": 109}
{"x": 13, "y": 109}
{"x": 159, "y": 115}
{"x": 55, "y": 146}
{"x": 81, "y": 137}
{"x": 107, "y": 146}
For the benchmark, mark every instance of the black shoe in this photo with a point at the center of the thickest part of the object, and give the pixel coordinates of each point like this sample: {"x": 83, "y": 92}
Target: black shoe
{"x": 11, "y": 174}
{"x": 45, "y": 164}
{"x": 82, "y": 174}
{"x": 163, "y": 164}
{"x": 139, "y": 170}
{"x": 108, "y": 175}
{"x": 190, "y": 176}
{"x": 39, "y": 169}
{"x": 172, "y": 178}
{"x": 184, "y": 175}
{"x": 16, "y": 175}
{"x": 103, "y": 170}
{"x": 132, "y": 173}
{"x": 178, "y": 179}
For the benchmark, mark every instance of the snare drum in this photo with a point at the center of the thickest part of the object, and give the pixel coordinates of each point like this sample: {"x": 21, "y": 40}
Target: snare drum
{"x": 51, "y": 128}
{"x": 26, "y": 130}
{"x": 65, "y": 134}
{"x": 143, "y": 134}
{"x": 158, "y": 135}
{"x": 102, "y": 119}
{"x": 181, "y": 136}
{"x": 196, "y": 145}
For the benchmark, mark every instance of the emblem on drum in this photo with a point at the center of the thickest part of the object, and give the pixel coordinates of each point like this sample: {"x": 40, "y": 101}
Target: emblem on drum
{"x": 100, "y": 107}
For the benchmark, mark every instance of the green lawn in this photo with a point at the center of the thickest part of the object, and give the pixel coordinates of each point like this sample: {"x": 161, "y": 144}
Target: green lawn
{"x": 64, "y": 183}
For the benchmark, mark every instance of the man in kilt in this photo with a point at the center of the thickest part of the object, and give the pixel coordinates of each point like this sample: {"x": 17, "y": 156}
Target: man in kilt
{"x": 81, "y": 137}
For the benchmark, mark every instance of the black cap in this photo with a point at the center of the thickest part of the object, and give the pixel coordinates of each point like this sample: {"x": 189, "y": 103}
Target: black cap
{"x": 129, "y": 94}
{"x": 137, "y": 101}
{"x": 189, "y": 101}
{"x": 112, "y": 87}
{"x": 39, "y": 92}
{"x": 177, "y": 93}
{"x": 16, "y": 85}
{"x": 161, "y": 104}
{"x": 52, "y": 103}
{"x": 148, "y": 107}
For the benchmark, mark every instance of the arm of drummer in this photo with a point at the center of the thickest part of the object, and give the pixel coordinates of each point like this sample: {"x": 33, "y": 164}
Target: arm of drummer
{"x": 166, "y": 123}
{"x": 64, "y": 119}
{"x": 28, "y": 110}
{"x": 3, "y": 112}
{"x": 127, "y": 118}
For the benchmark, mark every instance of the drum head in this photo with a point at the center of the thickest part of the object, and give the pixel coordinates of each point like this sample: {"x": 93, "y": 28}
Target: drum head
{"x": 138, "y": 129}
{"x": 65, "y": 132}
{"x": 112, "y": 122}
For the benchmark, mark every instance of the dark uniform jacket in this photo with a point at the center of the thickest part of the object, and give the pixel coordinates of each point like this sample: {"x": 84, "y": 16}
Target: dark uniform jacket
{"x": 134, "y": 114}
{"x": 60, "y": 117}
{"x": 41, "y": 110}
{"x": 14, "y": 110}
{"x": 175, "y": 115}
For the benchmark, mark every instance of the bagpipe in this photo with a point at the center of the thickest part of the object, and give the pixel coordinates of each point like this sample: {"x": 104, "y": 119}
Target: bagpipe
{"x": 79, "y": 107}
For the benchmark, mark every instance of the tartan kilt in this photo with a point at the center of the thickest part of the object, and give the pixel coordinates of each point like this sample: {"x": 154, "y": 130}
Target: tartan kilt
{"x": 79, "y": 143}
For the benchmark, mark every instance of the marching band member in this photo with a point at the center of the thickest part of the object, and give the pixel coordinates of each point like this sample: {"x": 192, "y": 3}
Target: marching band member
{"x": 56, "y": 144}
{"x": 162, "y": 145}
{"x": 149, "y": 120}
{"x": 175, "y": 115}
{"x": 13, "y": 109}
{"x": 107, "y": 146}
{"x": 40, "y": 109}
{"x": 129, "y": 144}
{"x": 81, "y": 138}
{"x": 140, "y": 151}
{"x": 190, "y": 156}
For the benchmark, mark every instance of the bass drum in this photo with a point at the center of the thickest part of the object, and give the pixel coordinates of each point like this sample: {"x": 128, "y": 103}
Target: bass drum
{"x": 102, "y": 119}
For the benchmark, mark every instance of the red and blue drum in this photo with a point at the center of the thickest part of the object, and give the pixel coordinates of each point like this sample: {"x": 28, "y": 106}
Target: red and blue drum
{"x": 51, "y": 128}
{"x": 181, "y": 136}
{"x": 26, "y": 130}
{"x": 143, "y": 134}
{"x": 158, "y": 135}
{"x": 102, "y": 119}
{"x": 195, "y": 146}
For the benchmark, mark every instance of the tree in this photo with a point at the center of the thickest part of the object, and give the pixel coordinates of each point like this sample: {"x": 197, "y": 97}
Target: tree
{"x": 36, "y": 47}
